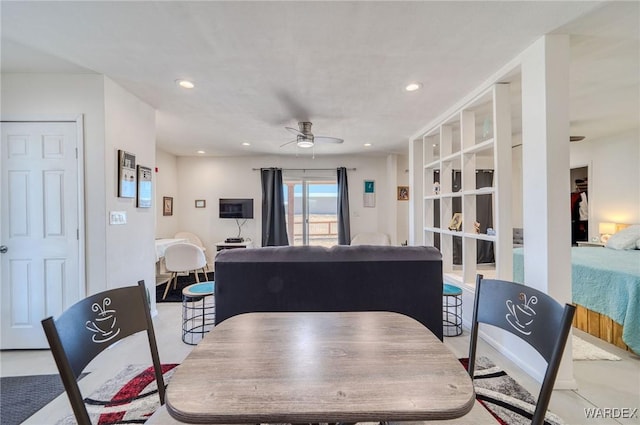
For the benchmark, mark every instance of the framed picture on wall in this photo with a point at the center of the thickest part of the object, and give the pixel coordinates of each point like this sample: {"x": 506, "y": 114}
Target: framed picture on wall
{"x": 403, "y": 193}
{"x": 126, "y": 174}
{"x": 167, "y": 205}
{"x": 369, "y": 198}
{"x": 143, "y": 198}
{"x": 201, "y": 203}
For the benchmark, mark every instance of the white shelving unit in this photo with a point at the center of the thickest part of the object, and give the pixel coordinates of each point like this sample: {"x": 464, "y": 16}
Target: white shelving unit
{"x": 475, "y": 138}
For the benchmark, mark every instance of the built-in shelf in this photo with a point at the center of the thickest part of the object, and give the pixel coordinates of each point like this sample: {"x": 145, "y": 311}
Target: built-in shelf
{"x": 474, "y": 139}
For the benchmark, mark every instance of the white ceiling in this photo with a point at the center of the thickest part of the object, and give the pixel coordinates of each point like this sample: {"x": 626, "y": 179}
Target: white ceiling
{"x": 260, "y": 66}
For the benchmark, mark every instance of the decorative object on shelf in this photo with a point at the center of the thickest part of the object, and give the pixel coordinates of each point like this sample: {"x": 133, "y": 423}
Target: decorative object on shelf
{"x": 369, "y": 198}
{"x": 167, "y": 205}
{"x": 126, "y": 174}
{"x": 476, "y": 226}
{"x": 201, "y": 203}
{"x": 491, "y": 231}
{"x": 606, "y": 230}
{"x": 436, "y": 188}
{"x": 456, "y": 222}
{"x": 143, "y": 198}
{"x": 403, "y": 193}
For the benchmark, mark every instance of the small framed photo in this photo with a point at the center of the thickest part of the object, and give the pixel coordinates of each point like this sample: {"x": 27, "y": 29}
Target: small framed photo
{"x": 143, "y": 195}
{"x": 403, "y": 193}
{"x": 456, "y": 222}
{"x": 201, "y": 203}
{"x": 167, "y": 205}
{"x": 126, "y": 174}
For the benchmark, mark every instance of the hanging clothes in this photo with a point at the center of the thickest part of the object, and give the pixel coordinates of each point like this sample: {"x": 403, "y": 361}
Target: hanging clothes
{"x": 583, "y": 207}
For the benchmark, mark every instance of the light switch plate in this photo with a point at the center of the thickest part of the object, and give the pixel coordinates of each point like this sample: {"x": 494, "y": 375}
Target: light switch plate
{"x": 117, "y": 217}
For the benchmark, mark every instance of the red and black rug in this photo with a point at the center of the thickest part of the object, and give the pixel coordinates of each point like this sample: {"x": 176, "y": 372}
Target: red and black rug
{"x": 128, "y": 398}
{"x": 503, "y": 397}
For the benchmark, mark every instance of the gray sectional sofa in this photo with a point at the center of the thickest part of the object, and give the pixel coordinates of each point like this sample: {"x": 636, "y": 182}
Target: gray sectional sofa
{"x": 405, "y": 280}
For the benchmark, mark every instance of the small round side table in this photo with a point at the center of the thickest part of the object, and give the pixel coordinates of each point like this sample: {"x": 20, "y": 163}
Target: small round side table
{"x": 198, "y": 311}
{"x": 452, "y": 310}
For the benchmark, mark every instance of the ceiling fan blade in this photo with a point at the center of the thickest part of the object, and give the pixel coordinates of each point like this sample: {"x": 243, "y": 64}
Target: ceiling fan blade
{"x": 294, "y": 131}
{"x": 326, "y": 139}
{"x": 576, "y": 138}
{"x": 288, "y": 143}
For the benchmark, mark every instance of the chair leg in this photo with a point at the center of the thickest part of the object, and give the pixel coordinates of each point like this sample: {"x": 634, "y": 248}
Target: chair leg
{"x": 166, "y": 291}
{"x": 197, "y": 276}
{"x": 206, "y": 277}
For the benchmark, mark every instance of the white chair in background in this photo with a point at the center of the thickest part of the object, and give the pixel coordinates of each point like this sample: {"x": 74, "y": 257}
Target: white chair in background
{"x": 192, "y": 238}
{"x": 184, "y": 257}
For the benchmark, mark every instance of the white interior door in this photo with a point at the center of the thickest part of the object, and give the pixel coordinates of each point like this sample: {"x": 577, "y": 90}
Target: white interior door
{"x": 39, "y": 229}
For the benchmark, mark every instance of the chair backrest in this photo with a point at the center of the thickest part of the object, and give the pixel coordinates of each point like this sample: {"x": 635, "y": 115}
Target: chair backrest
{"x": 191, "y": 237}
{"x": 185, "y": 256}
{"x": 530, "y": 314}
{"x": 371, "y": 238}
{"x": 89, "y": 327}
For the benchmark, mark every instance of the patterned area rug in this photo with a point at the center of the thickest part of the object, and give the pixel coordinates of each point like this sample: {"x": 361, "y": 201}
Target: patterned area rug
{"x": 130, "y": 397}
{"x": 503, "y": 397}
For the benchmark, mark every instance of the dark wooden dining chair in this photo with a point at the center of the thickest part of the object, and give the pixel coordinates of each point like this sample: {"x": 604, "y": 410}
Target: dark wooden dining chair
{"x": 533, "y": 316}
{"x": 89, "y": 327}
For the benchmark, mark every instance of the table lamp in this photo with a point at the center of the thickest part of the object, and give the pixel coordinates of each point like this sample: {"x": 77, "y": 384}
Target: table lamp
{"x": 606, "y": 230}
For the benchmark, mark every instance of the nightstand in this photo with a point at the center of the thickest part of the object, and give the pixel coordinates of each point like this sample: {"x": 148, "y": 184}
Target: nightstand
{"x": 587, "y": 243}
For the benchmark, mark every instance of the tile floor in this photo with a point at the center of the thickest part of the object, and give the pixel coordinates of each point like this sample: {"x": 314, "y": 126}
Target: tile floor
{"x": 605, "y": 384}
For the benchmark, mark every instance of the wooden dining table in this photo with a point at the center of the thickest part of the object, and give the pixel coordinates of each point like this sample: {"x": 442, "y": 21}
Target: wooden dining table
{"x": 319, "y": 367}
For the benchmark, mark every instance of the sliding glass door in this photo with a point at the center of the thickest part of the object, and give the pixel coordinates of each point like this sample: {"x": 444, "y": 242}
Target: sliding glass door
{"x": 311, "y": 209}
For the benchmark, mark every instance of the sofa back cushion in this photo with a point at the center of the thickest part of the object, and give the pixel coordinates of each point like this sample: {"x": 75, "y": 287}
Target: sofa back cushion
{"x": 405, "y": 280}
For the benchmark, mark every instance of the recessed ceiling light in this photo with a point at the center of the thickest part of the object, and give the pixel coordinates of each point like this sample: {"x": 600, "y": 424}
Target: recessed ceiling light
{"x": 367, "y": 144}
{"x": 201, "y": 152}
{"x": 185, "y": 84}
{"x": 413, "y": 86}
{"x": 246, "y": 144}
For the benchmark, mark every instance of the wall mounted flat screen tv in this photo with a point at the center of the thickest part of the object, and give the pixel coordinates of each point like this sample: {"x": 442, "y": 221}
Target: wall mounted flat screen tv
{"x": 236, "y": 208}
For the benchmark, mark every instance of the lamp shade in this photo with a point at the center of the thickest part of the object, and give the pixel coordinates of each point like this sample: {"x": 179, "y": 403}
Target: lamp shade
{"x": 607, "y": 228}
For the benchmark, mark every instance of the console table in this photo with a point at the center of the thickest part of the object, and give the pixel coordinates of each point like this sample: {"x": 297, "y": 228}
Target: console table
{"x": 232, "y": 245}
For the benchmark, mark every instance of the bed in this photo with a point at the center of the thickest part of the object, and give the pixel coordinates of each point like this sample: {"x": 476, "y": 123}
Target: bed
{"x": 605, "y": 288}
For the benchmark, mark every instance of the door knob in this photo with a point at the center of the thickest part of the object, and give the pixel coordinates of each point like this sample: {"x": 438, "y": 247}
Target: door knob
{"x": 3, "y": 249}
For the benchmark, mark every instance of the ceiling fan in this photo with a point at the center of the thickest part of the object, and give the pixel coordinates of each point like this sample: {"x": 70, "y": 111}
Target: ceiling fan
{"x": 306, "y": 139}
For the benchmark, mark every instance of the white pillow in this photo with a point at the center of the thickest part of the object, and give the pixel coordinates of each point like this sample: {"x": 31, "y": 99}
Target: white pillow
{"x": 625, "y": 238}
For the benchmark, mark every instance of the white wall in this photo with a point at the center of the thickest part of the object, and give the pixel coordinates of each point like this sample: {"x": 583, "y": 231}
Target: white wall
{"x": 211, "y": 178}
{"x": 130, "y": 251}
{"x": 166, "y": 184}
{"x": 614, "y": 177}
{"x": 47, "y": 96}
{"x": 113, "y": 119}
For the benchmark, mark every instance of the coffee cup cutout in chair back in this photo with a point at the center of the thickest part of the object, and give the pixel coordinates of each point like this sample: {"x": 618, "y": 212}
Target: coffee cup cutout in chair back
{"x": 521, "y": 316}
{"x": 104, "y": 324}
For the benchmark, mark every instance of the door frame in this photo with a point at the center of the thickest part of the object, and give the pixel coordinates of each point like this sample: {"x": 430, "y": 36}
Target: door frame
{"x": 78, "y": 119}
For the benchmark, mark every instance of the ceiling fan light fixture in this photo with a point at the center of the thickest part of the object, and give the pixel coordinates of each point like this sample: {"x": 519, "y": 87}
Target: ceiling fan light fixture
{"x": 304, "y": 142}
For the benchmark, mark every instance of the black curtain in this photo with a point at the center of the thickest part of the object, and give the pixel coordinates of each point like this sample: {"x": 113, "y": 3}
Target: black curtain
{"x": 484, "y": 216}
{"x": 274, "y": 226}
{"x": 344, "y": 225}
